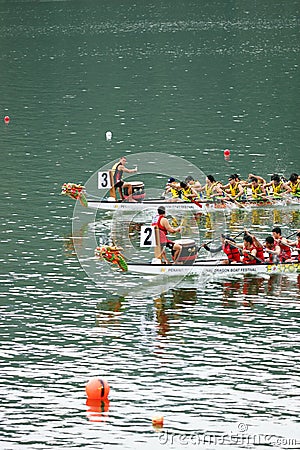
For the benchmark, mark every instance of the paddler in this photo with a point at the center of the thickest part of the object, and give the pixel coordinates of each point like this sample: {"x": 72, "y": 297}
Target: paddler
{"x": 296, "y": 244}
{"x": 212, "y": 188}
{"x": 195, "y": 184}
{"x": 233, "y": 189}
{"x": 294, "y": 184}
{"x": 228, "y": 247}
{"x": 285, "y": 247}
{"x": 188, "y": 193}
{"x": 260, "y": 257}
{"x": 173, "y": 187}
{"x": 249, "y": 250}
{"x": 256, "y": 184}
{"x": 272, "y": 249}
{"x": 278, "y": 186}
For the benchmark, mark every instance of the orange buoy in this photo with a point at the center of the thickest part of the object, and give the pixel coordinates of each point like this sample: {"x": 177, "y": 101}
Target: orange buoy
{"x": 6, "y": 119}
{"x": 227, "y": 152}
{"x": 158, "y": 421}
{"x": 97, "y": 389}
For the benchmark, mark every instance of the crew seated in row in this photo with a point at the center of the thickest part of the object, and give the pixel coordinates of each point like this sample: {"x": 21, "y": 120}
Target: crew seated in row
{"x": 254, "y": 188}
{"x": 275, "y": 249}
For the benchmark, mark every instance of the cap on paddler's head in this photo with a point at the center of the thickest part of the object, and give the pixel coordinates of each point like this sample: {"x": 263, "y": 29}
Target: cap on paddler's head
{"x": 171, "y": 180}
{"x": 161, "y": 210}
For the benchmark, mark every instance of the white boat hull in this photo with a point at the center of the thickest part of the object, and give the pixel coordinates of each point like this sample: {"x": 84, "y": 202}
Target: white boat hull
{"x": 140, "y": 206}
{"x": 202, "y": 207}
{"x": 213, "y": 268}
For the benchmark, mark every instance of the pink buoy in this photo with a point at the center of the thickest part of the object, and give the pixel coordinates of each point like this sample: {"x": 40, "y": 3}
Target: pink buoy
{"x": 6, "y": 119}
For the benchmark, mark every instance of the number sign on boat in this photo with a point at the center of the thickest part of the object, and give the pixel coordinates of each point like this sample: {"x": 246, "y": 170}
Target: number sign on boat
{"x": 148, "y": 236}
{"x": 104, "y": 180}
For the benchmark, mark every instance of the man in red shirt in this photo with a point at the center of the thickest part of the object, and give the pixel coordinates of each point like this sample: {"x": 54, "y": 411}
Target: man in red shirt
{"x": 164, "y": 227}
{"x": 284, "y": 244}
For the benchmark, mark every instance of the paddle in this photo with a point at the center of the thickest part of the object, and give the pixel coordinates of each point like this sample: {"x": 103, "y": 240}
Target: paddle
{"x": 196, "y": 203}
{"x": 233, "y": 237}
{"x": 240, "y": 205}
{"x": 290, "y": 235}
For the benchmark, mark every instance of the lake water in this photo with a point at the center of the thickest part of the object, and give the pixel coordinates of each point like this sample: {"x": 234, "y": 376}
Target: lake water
{"x": 217, "y": 358}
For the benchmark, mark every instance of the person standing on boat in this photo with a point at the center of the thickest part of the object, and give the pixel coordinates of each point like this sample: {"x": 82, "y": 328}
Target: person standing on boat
{"x": 272, "y": 249}
{"x": 229, "y": 248}
{"x": 117, "y": 172}
{"x": 285, "y": 247}
{"x": 161, "y": 222}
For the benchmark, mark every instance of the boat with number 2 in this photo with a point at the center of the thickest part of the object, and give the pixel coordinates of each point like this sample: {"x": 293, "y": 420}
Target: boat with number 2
{"x": 214, "y": 268}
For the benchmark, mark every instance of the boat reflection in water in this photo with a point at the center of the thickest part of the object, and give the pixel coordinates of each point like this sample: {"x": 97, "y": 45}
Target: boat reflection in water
{"x": 249, "y": 291}
{"x": 108, "y": 311}
{"x": 174, "y": 302}
{"x": 242, "y": 291}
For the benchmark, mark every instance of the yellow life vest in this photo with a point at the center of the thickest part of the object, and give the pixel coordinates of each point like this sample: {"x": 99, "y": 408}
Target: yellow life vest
{"x": 276, "y": 189}
{"x": 175, "y": 192}
{"x": 256, "y": 192}
{"x": 185, "y": 193}
{"x": 234, "y": 190}
{"x": 295, "y": 189}
{"x": 209, "y": 189}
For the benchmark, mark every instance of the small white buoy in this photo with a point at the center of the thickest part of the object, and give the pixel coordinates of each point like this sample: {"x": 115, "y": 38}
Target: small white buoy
{"x": 108, "y": 135}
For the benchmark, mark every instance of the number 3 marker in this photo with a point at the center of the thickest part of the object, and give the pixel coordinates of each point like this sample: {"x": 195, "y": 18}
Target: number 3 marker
{"x": 104, "y": 180}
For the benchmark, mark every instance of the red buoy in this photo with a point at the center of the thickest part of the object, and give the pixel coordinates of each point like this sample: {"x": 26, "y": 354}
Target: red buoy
{"x": 227, "y": 152}
{"x": 97, "y": 389}
{"x": 6, "y": 119}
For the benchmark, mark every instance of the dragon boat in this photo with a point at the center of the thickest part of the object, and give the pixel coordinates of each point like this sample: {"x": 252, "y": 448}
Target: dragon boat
{"x": 138, "y": 201}
{"x": 213, "y": 267}
{"x": 199, "y": 206}
{"x": 189, "y": 263}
